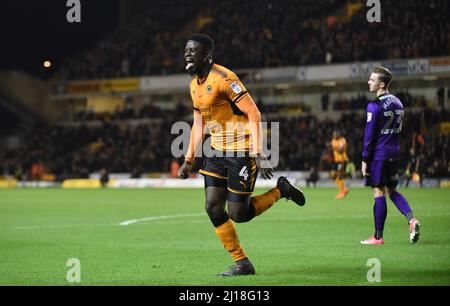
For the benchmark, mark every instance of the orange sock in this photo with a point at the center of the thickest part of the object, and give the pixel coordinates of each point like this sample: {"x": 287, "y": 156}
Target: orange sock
{"x": 339, "y": 185}
{"x": 343, "y": 185}
{"x": 264, "y": 201}
{"x": 227, "y": 234}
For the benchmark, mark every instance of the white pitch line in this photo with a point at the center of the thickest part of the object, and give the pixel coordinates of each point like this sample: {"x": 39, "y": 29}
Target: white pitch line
{"x": 128, "y": 222}
{"x": 164, "y": 217}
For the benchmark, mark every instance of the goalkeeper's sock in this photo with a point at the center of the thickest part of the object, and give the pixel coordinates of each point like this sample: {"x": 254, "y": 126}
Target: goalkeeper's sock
{"x": 227, "y": 234}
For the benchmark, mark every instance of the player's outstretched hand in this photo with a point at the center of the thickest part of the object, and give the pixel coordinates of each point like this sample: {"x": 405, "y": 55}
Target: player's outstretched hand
{"x": 264, "y": 166}
{"x": 185, "y": 169}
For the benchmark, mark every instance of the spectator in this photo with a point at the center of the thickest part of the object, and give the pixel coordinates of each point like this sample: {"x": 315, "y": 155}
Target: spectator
{"x": 325, "y": 101}
{"x": 313, "y": 177}
{"x": 448, "y": 94}
{"x": 441, "y": 97}
{"x": 104, "y": 177}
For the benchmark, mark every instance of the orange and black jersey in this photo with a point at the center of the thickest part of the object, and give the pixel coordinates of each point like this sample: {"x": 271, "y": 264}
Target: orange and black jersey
{"x": 215, "y": 98}
{"x": 339, "y": 146}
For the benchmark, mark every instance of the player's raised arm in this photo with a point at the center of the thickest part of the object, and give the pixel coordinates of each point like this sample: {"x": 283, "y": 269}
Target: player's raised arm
{"x": 195, "y": 143}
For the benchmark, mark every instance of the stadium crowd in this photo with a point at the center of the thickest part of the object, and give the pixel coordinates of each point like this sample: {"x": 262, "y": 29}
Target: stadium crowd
{"x": 304, "y": 147}
{"x": 252, "y": 34}
{"x": 123, "y": 144}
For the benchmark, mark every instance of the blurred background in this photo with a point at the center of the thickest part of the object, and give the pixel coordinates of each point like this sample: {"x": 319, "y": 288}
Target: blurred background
{"x": 98, "y": 98}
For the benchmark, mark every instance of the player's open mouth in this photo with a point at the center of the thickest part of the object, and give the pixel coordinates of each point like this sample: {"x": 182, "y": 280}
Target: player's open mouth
{"x": 189, "y": 64}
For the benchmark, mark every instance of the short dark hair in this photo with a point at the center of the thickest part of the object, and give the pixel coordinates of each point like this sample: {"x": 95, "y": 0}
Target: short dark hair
{"x": 384, "y": 74}
{"x": 205, "y": 40}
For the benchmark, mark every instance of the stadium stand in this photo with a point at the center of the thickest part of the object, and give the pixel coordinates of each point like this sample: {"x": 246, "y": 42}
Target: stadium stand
{"x": 122, "y": 142}
{"x": 263, "y": 34}
{"x": 247, "y": 34}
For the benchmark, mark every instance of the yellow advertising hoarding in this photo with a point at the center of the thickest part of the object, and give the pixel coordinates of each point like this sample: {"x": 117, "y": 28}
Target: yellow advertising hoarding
{"x": 113, "y": 85}
{"x": 8, "y": 183}
{"x": 120, "y": 85}
{"x": 81, "y": 183}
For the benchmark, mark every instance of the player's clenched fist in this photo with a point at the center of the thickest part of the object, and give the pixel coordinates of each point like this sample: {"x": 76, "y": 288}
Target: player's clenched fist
{"x": 185, "y": 169}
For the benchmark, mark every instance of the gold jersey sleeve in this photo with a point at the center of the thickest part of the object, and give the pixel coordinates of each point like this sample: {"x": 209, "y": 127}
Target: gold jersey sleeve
{"x": 216, "y": 98}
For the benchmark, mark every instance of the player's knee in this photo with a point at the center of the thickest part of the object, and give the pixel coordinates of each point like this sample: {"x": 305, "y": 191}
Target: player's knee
{"x": 213, "y": 210}
{"x": 216, "y": 214}
{"x": 378, "y": 192}
{"x": 239, "y": 215}
{"x": 391, "y": 190}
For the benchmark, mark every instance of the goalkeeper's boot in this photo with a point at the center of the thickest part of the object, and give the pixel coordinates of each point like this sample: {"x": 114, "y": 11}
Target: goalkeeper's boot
{"x": 373, "y": 240}
{"x": 290, "y": 192}
{"x": 242, "y": 267}
{"x": 414, "y": 230}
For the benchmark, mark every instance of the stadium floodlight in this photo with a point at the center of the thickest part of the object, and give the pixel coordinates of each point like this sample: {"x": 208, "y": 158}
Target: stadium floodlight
{"x": 47, "y": 64}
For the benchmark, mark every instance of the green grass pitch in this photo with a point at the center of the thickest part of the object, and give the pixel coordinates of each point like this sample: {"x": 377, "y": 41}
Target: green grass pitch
{"x": 318, "y": 244}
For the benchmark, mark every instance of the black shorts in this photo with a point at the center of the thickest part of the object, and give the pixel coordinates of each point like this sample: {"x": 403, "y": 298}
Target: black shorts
{"x": 237, "y": 174}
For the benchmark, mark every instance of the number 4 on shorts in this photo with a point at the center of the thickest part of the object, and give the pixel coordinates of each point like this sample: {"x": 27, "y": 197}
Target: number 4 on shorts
{"x": 244, "y": 173}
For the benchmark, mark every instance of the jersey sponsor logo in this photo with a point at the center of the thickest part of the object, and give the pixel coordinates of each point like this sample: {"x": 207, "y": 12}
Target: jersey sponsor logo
{"x": 236, "y": 87}
{"x": 209, "y": 89}
{"x": 369, "y": 117}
